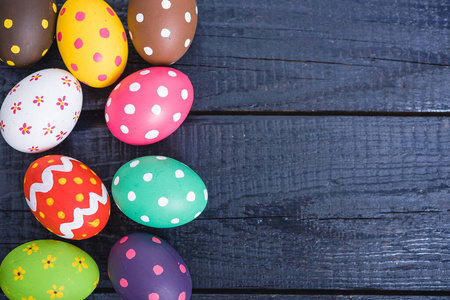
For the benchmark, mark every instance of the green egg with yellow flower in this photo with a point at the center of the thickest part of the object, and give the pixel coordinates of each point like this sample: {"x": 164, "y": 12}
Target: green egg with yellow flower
{"x": 48, "y": 269}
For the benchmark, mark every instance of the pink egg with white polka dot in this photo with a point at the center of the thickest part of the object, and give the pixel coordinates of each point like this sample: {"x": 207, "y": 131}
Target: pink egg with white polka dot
{"x": 149, "y": 105}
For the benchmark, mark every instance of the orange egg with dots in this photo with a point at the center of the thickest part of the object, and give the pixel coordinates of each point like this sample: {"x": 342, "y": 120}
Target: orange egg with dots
{"x": 66, "y": 197}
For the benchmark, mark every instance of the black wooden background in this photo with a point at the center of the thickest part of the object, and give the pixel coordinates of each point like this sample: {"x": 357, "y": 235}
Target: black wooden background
{"x": 322, "y": 131}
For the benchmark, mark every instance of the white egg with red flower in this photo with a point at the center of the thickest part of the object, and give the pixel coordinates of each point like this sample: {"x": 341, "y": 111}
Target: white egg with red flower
{"x": 149, "y": 105}
{"x": 41, "y": 110}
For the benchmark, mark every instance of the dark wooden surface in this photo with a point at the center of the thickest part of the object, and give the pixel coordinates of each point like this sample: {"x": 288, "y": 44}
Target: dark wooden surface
{"x": 322, "y": 131}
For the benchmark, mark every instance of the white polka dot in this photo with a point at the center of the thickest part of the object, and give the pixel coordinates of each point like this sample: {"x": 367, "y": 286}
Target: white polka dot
{"x": 116, "y": 180}
{"x": 172, "y": 74}
{"x": 145, "y": 219}
{"x": 197, "y": 214}
{"x": 152, "y": 134}
{"x": 139, "y": 17}
{"x": 187, "y": 17}
{"x": 163, "y": 201}
{"x": 166, "y": 4}
{"x": 179, "y": 174}
{"x": 134, "y": 87}
{"x": 129, "y": 109}
{"x": 175, "y": 221}
{"x": 148, "y": 50}
{"x": 162, "y": 91}
{"x": 108, "y": 103}
{"x": 134, "y": 163}
{"x": 156, "y": 109}
{"x": 145, "y": 72}
{"x": 205, "y": 192}
{"x": 117, "y": 86}
{"x": 124, "y": 129}
{"x": 184, "y": 94}
{"x": 176, "y": 117}
{"x": 196, "y": 10}
{"x": 131, "y": 196}
{"x": 187, "y": 42}
{"x": 165, "y": 33}
{"x": 131, "y": 35}
{"x": 106, "y": 118}
{"x": 161, "y": 158}
{"x": 148, "y": 177}
{"x": 190, "y": 196}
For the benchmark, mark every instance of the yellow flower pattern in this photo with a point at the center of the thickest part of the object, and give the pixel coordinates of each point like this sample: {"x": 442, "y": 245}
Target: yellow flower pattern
{"x": 30, "y": 248}
{"x": 29, "y": 298}
{"x": 18, "y": 273}
{"x": 56, "y": 292}
{"x": 80, "y": 263}
{"x": 48, "y": 262}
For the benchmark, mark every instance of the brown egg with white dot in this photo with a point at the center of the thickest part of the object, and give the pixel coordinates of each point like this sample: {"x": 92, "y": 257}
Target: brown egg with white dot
{"x": 27, "y": 30}
{"x": 162, "y": 30}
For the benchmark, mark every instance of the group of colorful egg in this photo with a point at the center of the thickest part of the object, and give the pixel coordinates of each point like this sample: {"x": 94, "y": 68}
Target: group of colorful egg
{"x": 65, "y": 195}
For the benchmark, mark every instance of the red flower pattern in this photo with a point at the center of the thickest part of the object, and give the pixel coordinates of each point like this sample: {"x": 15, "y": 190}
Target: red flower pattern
{"x": 16, "y": 107}
{"x": 34, "y": 148}
{"x": 61, "y": 135}
{"x": 25, "y": 129}
{"x": 38, "y": 100}
{"x": 77, "y": 85}
{"x": 2, "y": 126}
{"x": 62, "y": 102}
{"x": 48, "y": 129}
{"x": 66, "y": 81}
{"x": 77, "y": 115}
{"x": 14, "y": 89}
{"x": 35, "y": 77}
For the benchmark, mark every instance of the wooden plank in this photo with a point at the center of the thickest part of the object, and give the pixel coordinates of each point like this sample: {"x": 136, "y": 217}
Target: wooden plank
{"x": 326, "y": 55}
{"x": 295, "y": 202}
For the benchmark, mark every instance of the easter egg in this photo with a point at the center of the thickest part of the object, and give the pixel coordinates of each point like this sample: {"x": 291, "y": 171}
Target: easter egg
{"x": 27, "y": 30}
{"x": 144, "y": 266}
{"x": 162, "y": 31}
{"x": 41, "y": 110}
{"x": 158, "y": 191}
{"x": 149, "y": 105}
{"x": 92, "y": 41}
{"x": 48, "y": 269}
{"x": 66, "y": 197}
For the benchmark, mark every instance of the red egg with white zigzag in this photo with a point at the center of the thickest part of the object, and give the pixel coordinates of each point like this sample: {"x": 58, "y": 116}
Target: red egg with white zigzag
{"x": 66, "y": 197}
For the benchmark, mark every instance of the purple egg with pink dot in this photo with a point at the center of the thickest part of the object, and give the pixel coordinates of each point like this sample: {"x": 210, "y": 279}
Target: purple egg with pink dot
{"x": 144, "y": 266}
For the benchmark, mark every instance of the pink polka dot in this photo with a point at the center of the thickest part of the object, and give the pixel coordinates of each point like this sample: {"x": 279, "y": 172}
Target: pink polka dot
{"x": 156, "y": 240}
{"x": 102, "y": 77}
{"x": 182, "y": 296}
{"x": 59, "y": 36}
{"x": 153, "y": 296}
{"x": 124, "y": 36}
{"x": 118, "y": 60}
{"x": 78, "y": 43}
{"x": 80, "y": 16}
{"x": 74, "y": 67}
{"x": 110, "y": 11}
{"x": 98, "y": 57}
{"x": 104, "y": 33}
{"x": 158, "y": 270}
{"x": 123, "y": 282}
{"x": 131, "y": 254}
{"x": 182, "y": 269}
{"x": 123, "y": 240}
{"x": 63, "y": 10}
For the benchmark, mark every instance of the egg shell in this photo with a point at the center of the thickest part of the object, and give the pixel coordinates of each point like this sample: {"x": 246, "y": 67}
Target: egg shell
{"x": 162, "y": 31}
{"x": 44, "y": 268}
{"x": 144, "y": 266}
{"x": 149, "y": 105}
{"x": 159, "y": 192}
{"x": 92, "y": 41}
{"x": 66, "y": 197}
{"x": 27, "y": 30}
{"x": 41, "y": 110}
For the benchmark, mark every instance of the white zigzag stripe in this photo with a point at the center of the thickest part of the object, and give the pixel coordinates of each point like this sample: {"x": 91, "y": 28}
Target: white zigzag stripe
{"x": 47, "y": 180}
{"x": 94, "y": 199}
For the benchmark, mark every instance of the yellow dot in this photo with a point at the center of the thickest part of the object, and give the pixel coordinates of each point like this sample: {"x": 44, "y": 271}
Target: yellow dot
{"x": 54, "y": 7}
{"x": 8, "y": 23}
{"x": 62, "y": 181}
{"x": 44, "y": 52}
{"x": 93, "y": 181}
{"x": 35, "y": 165}
{"x": 1, "y": 60}
{"x": 51, "y": 161}
{"x": 44, "y": 23}
{"x": 50, "y": 230}
{"x": 93, "y": 172}
{"x": 11, "y": 63}
{"x": 61, "y": 215}
{"x": 50, "y": 201}
{"x": 83, "y": 167}
{"x": 78, "y": 180}
{"x": 79, "y": 197}
{"x": 84, "y": 235}
{"x": 41, "y": 214}
{"x": 24, "y": 180}
{"x": 15, "y": 49}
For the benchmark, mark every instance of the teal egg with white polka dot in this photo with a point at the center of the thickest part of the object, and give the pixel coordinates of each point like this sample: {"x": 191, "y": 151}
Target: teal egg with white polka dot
{"x": 159, "y": 192}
